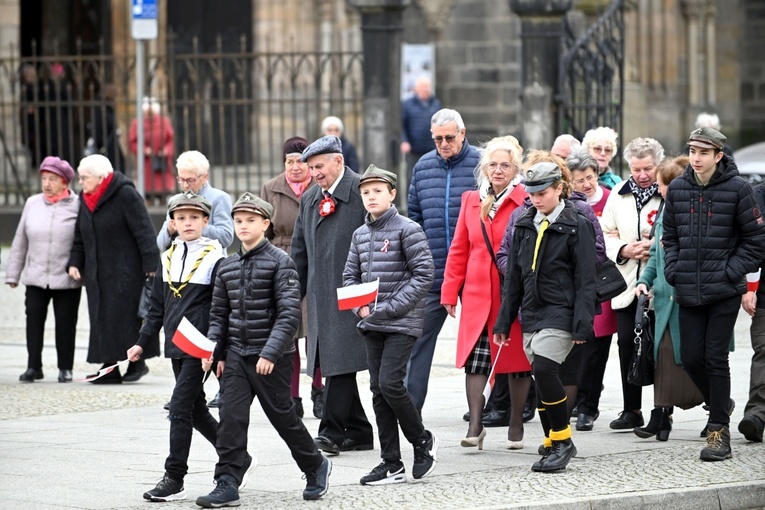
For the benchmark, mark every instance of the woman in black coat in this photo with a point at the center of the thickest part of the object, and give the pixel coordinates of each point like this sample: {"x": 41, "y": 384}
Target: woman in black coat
{"x": 114, "y": 250}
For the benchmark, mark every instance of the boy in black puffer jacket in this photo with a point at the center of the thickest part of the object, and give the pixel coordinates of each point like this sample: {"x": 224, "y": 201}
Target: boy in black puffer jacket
{"x": 713, "y": 236}
{"x": 394, "y": 250}
{"x": 255, "y": 314}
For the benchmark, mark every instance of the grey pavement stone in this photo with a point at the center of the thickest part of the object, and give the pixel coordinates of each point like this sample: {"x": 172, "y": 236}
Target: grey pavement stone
{"x": 83, "y": 446}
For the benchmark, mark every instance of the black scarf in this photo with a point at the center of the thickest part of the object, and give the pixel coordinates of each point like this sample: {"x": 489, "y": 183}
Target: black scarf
{"x": 642, "y": 195}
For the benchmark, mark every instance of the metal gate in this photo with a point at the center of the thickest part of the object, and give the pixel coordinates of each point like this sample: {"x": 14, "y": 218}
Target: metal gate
{"x": 237, "y": 107}
{"x": 591, "y": 78}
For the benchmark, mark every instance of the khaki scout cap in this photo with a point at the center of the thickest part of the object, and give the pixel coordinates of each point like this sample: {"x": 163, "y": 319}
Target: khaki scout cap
{"x": 373, "y": 174}
{"x": 253, "y": 203}
{"x": 188, "y": 200}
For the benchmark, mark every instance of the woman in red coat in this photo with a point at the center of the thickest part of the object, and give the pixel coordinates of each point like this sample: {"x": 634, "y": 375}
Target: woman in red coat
{"x": 159, "y": 144}
{"x": 472, "y": 276}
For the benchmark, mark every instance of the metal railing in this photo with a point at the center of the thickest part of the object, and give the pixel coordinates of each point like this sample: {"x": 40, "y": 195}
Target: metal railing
{"x": 591, "y": 78}
{"x": 235, "y": 107}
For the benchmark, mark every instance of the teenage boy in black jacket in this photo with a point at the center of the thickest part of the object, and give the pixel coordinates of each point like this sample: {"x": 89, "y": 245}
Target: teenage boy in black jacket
{"x": 713, "y": 236}
{"x": 183, "y": 288}
{"x": 255, "y": 314}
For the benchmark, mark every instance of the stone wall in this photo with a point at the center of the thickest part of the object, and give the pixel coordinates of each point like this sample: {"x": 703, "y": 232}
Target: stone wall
{"x": 752, "y": 80}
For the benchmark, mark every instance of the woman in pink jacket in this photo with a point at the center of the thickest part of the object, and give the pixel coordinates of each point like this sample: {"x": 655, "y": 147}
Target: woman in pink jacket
{"x": 40, "y": 249}
{"x": 472, "y": 276}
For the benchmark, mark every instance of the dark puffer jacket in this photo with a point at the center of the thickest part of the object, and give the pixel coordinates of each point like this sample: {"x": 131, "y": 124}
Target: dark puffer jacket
{"x": 561, "y": 293}
{"x": 395, "y": 250}
{"x": 256, "y": 304}
{"x": 759, "y": 195}
{"x": 713, "y": 235}
{"x": 435, "y": 196}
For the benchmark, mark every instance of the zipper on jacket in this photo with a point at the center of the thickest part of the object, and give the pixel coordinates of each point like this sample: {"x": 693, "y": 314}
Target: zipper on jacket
{"x": 446, "y": 205}
{"x": 242, "y": 311}
{"x": 698, "y": 250}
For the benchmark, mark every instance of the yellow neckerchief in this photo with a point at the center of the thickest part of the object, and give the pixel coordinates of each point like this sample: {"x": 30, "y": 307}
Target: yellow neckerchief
{"x": 177, "y": 291}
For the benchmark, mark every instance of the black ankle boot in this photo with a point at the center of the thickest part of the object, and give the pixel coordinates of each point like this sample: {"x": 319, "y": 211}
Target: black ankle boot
{"x": 666, "y": 424}
{"x": 659, "y": 425}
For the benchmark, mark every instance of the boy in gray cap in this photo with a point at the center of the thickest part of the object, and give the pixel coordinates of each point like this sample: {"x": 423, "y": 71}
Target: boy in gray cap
{"x": 713, "y": 236}
{"x": 392, "y": 249}
{"x": 182, "y": 287}
{"x": 255, "y": 314}
{"x": 551, "y": 276}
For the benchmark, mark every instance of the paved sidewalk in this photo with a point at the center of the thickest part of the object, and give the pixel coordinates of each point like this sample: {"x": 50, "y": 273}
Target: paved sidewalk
{"x": 84, "y": 446}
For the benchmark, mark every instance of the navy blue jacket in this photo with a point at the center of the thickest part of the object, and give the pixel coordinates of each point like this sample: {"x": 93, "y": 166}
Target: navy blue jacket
{"x": 415, "y": 123}
{"x": 435, "y": 196}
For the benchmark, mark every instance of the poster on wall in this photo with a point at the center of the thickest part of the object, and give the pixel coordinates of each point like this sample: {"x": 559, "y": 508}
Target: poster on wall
{"x": 416, "y": 60}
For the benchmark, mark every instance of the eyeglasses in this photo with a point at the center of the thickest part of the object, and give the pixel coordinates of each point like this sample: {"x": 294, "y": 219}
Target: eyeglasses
{"x": 190, "y": 181}
{"x": 590, "y": 178}
{"x": 448, "y": 138}
{"x": 81, "y": 178}
{"x": 598, "y": 149}
{"x": 506, "y": 167}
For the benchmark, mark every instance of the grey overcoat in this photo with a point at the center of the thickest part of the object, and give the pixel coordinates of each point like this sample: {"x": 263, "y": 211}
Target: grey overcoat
{"x": 320, "y": 248}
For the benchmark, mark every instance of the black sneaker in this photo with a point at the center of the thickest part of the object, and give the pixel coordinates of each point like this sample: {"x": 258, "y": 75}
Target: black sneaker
{"x": 386, "y": 473}
{"x": 752, "y": 427}
{"x": 425, "y": 456}
{"x": 627, "y": 420}
{"x": 317, "y": 482}
{"x": 166, "y": 490}
{"x": 225, "y": 493}
{"x": 718, "y": 443}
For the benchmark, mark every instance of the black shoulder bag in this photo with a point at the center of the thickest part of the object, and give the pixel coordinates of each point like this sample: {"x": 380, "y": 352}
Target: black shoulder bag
{"x": 493, "y": 256}
{"x": 642, "y": 365}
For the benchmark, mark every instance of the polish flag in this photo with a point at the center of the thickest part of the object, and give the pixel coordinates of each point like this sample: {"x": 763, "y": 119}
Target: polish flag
{"x": 355, "y": 296}
{"x": 490, "y": 383}
{"x": 191, "y": 341}
{"x": 101, "y": 372}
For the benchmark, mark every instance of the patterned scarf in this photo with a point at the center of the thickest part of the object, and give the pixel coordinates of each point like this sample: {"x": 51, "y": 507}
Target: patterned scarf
{"x": 642, "y": 196}
{"x": 485, "y": 189}
{"x": 298, "y": 187}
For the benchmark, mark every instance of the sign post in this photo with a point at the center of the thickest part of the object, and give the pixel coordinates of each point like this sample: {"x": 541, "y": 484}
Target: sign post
{"x": 143, "y": 26}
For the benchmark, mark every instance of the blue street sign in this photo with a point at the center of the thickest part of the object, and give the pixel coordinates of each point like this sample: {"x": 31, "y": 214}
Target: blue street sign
{"x": 144, "y": 9}
{"x": 144, "y": 19}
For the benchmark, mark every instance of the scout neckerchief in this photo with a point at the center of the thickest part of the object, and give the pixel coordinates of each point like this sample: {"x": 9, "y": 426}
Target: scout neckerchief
{"x": 177, "y": 291}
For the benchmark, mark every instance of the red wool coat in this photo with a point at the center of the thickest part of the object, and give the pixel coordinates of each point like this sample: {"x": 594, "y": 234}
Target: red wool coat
{"x": 469, "y": 269}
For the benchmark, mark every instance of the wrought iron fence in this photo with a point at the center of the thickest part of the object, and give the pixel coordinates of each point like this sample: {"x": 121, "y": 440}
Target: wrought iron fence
{"x": 235, "y": 107}
{"x": 591, "y": 86}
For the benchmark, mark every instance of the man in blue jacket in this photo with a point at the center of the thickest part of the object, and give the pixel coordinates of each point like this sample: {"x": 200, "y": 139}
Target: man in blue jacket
{"x": 416, "y": 113}
{"x": 439, "y": 179}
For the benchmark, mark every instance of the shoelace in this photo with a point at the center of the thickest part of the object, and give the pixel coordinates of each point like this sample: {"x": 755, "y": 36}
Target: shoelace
{"x": 714, "y": 439}
{"x": 220, "y": 488}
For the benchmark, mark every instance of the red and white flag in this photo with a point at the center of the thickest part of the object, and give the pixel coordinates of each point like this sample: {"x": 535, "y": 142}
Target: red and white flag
{"x": 101, "y": 372}
{"x": 191, "y": 341}
{"x": 355, "y": 296}
{"x": 490, "y": 383}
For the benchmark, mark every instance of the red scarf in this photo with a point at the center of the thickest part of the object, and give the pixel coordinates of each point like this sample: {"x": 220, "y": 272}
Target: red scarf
{"x": 298, "y": 187}
{"x": 58, "y": 197}
{"x": 91, "y": 199}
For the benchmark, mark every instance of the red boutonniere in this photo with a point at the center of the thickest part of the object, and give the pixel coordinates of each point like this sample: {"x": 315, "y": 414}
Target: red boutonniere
{"x": 385, "y": 245}
{"x": 652, "y": 217}
{"x": 326, "y": 206}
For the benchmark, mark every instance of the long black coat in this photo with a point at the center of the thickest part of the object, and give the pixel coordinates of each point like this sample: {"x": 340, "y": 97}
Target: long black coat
{"x": 320, "y": 248}
{"x": 114, "y": 247}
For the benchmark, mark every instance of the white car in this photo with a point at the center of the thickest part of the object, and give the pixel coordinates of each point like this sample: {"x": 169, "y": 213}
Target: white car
{"x": 751, "y": 162}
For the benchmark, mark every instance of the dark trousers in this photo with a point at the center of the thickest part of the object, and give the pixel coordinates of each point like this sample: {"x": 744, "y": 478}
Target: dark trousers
{"x": 705, "y": 334}
{"x": 632, "y": 395}
{"x": 66, "y": 303}
{"x": 188, "y": 411}
{"x": 344, "y": 416}
{"x": 593, "y": 370}
{"x": 387, "y": 355}
{"x": 242, "y": 384}
{"x": 418, "y": 371}
{"x": 756, "y": 404}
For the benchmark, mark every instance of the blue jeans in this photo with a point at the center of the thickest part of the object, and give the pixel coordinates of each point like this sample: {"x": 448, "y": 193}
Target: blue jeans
{"x": 418, "y": 371}
{"x": 387, "y": 355}
{"x": 188, "y": 411}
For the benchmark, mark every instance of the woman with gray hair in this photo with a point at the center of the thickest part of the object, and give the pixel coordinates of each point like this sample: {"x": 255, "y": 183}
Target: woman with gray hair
{"x": 334, "y": 126}
{"x": 584, "y": 174}
{"x": 627, "y": 221}
{"x": 114, "y": 250}
{"x": 600, "y": 143}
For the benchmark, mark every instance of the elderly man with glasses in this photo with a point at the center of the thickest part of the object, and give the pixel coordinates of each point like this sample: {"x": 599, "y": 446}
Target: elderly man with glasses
{"x": 439, "y": 179}
{"x": 193, "y": 168}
